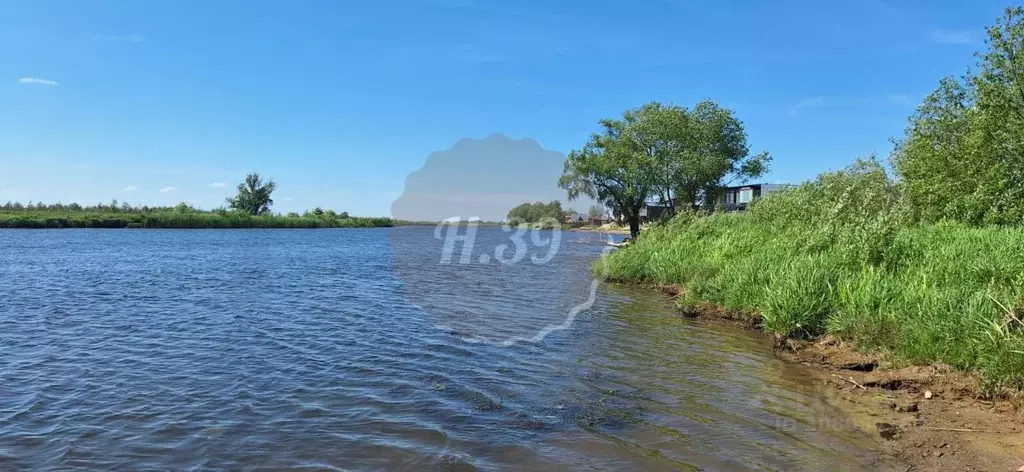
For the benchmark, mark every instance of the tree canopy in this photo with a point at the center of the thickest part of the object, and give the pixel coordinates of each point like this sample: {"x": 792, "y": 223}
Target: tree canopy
{"x": 962, "y": 156}
{"x": 666, "y": 152}
{"x": 253, "y": 195}
{"x": 536, "y": 212}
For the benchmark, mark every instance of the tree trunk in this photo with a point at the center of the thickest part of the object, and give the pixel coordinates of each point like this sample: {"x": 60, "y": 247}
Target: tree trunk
{"x": 634, "y": 224}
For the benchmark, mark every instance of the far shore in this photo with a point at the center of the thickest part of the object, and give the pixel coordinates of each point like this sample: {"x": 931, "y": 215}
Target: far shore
{"x": 605, "y": 229}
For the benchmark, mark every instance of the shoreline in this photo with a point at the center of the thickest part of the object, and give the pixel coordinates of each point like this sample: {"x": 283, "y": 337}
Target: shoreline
{"x": 922, "y": 417}
{"x": 592, "y": 229}
{"x": 186, "y": 220}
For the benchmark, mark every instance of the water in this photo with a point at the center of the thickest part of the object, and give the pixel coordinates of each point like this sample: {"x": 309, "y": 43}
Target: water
{"x": 311, "y": 350}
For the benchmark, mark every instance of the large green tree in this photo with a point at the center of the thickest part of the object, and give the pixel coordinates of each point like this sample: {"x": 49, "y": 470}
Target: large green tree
{"x": 665, "y": 152}
{"x": 962, "y": 156}
{"x": 253, "y": 195}
{"x": 615, "y": 167}
{"x": 698, "y": 152}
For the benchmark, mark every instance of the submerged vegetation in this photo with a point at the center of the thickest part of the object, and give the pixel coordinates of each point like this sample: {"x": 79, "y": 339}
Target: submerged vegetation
{"x": 926, "y": 266}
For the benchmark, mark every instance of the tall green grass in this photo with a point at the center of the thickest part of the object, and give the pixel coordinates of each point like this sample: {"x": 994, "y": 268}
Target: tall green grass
{"x": 837, "y": 256}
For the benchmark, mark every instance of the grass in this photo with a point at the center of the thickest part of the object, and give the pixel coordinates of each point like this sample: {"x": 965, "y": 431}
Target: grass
{"x": 169, "y": 218}
{"x": 836, "y": 256}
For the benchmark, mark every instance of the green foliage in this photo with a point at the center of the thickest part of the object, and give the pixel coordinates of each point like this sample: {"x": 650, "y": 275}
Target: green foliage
{"x": 537, "y": 212}
{"x": 841, "y": 255}
{"x": 660, "y": 151}
{"x": 962, "y": 157}
{"x": 615, "y": 167}
{"x": 253, "y": 195}
{"x": 16, "y": 215}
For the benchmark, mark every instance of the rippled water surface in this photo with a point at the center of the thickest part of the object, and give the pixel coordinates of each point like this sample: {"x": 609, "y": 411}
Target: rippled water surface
{"x": 321, "y": 349}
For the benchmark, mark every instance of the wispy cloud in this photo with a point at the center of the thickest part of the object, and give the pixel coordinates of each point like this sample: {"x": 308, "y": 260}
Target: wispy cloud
{"x": 959, "y": 37}
{"x": 130, "y": 189}
{"x": 288, "y": 199}
{"x": 169, "y": 188}
{"x": 808, "y": 103}
{"x": 218, "y": 185}
{"x": 890, "y": 99}
{"x": 124, "y": 38}
{"x": 37, "y": 80}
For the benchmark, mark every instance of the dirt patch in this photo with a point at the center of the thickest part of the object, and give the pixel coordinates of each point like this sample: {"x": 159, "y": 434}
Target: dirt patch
{"x": 922, "y": 417}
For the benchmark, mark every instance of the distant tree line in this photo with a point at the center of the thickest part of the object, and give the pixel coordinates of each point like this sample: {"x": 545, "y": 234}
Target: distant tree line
{"x": 537, "y": 212}
{"x": 250, "y": 207}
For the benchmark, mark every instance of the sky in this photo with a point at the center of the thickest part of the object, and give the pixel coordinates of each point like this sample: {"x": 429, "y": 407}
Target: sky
{"x": 159, "y": 102}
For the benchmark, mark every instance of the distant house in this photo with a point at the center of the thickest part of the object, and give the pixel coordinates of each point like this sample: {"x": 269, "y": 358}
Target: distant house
{"x": 653, "y": 212}
{"x": 600, "y": 220}
{"x": 574, "y": 219}
{"x": 657, "y": 210}
{"x": 737, "y": 198}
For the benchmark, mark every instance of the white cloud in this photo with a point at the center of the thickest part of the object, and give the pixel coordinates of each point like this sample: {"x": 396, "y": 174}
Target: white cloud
{"x": 897, "y": 99}
{"x": 169, "y": 188}
{"x": 960, "y": 37}
{"x": 37, "y": 80}
{"x": 130, "y": 188}
{"x": 808, "y": 103}
{"x": 288, "y": 199}
{"x": 218, "y": 185}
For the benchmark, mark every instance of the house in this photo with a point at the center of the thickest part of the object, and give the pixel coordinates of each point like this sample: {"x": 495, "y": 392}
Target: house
{"x": 574, "y": 219}
{"x": 656, "y": 210}
{"x": 600, "y": 220}
{"x": 737, "y": 198}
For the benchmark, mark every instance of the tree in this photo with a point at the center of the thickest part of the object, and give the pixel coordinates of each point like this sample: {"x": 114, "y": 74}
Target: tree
{"x": 717, "y": 154}
{"x": 615, "y": 166}
{"x": 663, "y": 151}
{"x": 696, "y": 152}
{"x": 596, "y": 210}
{"x": 253, "y": 195}
{"x": 536, "y": 212}
{"x": 962, "y": 155}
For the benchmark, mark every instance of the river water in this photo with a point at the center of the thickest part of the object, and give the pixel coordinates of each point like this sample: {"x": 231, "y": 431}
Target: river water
{"x": 338, "y": 350}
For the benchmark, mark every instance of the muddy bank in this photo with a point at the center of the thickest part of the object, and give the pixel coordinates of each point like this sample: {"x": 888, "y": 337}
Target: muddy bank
{"x": 922, "y": 417}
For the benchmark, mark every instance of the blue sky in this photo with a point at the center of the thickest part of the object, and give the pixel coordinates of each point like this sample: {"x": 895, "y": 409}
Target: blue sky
{"x": 161, "y": 102}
